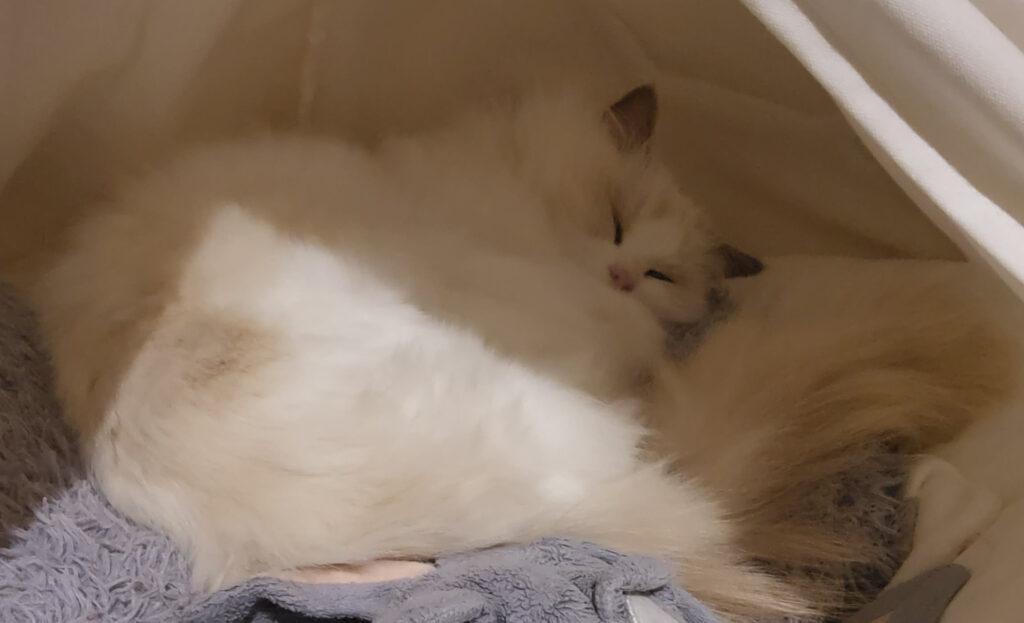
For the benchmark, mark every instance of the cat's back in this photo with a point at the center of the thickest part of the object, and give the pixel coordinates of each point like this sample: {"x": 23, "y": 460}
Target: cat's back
{"x": 293, "y": 184}
{"x": 204, "y": 228}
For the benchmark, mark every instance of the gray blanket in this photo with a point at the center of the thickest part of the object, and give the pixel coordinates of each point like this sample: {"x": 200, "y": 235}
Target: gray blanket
{"x": 67, "y": 556}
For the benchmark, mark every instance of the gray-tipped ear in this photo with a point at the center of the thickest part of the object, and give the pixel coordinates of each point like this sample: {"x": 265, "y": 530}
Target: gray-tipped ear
{"x": 736, "y": 263}
{"x": 631, "y": 119}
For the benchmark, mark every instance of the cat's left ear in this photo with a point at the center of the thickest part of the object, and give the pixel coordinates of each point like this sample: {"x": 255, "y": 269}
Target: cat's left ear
{"x": 736, "y": 263}
{"x": 631, "y": 119}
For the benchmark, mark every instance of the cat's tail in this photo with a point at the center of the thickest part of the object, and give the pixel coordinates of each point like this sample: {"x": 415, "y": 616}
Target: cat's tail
{"x": 799, "y": 413}
{"x": 651, "y": 512}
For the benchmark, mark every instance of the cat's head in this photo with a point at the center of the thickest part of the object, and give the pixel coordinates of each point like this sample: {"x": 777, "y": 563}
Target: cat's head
{"x": 620, "y": 212}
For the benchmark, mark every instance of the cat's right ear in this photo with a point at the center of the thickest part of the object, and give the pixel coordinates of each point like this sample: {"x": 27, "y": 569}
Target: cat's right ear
{"x": 631, "y": 119}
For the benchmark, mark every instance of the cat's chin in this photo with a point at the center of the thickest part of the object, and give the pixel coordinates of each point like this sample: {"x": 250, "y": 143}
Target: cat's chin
{"x": 684, "y": 335}
{"x": 690, "y": 315}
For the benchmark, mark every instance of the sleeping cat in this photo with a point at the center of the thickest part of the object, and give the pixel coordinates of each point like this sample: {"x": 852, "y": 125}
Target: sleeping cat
{"x": 287, "y": 351}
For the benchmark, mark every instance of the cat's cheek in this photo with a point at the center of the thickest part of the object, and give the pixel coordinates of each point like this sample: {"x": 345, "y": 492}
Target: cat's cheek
{"x": 592, "y": 256}
{"x": 676, "y": 307}
{"x": 694, "y": 310}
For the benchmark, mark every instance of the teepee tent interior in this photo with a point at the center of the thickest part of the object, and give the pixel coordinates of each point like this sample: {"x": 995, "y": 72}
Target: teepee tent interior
{"x": 884, "y": 129}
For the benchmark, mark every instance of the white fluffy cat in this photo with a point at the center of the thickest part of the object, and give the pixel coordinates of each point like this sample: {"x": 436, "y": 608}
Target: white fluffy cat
{"x": 289, "y": 352}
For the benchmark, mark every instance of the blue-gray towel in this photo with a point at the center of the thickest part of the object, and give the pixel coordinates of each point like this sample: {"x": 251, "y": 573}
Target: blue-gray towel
{"x": 552, "y": 580}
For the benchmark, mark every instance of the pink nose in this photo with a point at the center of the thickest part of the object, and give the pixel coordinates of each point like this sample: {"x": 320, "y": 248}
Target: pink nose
{"x": 621, "y": 278}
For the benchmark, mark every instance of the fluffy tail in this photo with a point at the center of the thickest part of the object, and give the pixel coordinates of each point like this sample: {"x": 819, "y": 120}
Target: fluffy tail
{"x": 788, "y": 409}
{"x": 653, "y": 513}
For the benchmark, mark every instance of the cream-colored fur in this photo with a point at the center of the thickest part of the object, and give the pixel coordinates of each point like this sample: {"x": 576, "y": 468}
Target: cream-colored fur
{"x": 823, "y": 360}
{"x": 289, "y": 352}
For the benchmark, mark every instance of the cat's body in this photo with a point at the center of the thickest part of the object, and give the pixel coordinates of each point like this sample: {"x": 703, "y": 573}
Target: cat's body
{"x": 290, "y": 352}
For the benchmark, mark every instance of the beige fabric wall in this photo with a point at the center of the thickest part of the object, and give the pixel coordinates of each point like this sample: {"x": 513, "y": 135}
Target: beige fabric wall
{"x": 93, "y": 90}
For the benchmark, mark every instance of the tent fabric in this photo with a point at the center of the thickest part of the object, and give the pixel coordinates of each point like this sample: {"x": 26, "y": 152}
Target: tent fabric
{"x": 933, "y": 89}
{"x": 94, "y": 90}
{"x": 971, "y": 505}
{"x": 936, "y": 89}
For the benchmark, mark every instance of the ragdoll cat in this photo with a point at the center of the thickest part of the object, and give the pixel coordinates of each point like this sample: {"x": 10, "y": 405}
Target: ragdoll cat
{"x": 824, "y": 363}
{"x": 288, "y": 352}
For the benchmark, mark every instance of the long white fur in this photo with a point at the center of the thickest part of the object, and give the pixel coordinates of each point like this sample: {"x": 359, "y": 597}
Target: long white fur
{"x": 290, "y": 352}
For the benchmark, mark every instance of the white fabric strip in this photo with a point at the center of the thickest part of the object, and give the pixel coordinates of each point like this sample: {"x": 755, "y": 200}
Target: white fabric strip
{"x": 936, "y": 90}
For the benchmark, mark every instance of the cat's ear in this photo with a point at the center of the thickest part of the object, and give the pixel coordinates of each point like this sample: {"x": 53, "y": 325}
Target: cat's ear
{"x": 736, "y": 263}
{"x": 631, "y": 119}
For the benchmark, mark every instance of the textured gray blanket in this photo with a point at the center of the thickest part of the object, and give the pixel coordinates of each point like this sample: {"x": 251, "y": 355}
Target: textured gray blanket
{"x": 67, "y": 556}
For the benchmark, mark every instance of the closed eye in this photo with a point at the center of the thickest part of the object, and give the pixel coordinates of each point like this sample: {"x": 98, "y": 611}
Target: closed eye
{"x": 657, "y": 274}
{"x": 618, "y": 228}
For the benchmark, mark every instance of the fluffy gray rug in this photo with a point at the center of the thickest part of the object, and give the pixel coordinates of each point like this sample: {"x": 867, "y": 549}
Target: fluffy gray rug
{"x": 67, "y": 555}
